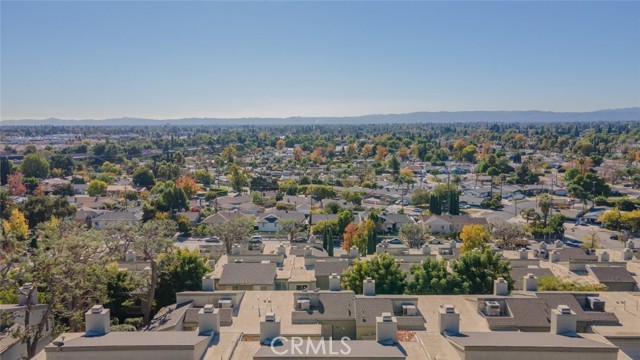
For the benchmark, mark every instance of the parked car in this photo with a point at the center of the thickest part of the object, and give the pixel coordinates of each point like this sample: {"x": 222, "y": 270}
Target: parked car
{"x": 213, "y": 239}
{"x": 394, "y": 241}
{"x": 300, "y": 239}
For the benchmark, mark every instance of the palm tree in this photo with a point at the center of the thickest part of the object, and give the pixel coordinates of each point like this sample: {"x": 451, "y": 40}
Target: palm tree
{"x": 545, "y": 202}
{"x": 528, "y": 214}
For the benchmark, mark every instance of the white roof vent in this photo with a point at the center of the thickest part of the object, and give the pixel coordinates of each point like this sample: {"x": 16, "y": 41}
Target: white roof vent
{"x": 270, "y": 317}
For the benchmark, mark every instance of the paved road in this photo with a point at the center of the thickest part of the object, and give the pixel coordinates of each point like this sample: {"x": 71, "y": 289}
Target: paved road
{"x": 509, "y": 211}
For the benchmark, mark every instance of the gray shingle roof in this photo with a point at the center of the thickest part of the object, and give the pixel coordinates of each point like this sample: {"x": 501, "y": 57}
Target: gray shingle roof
{"x": 612, "y": 274}
{"x": 554, "y": 299}
{"x": 248, "y": 274}
{"x": 368, "y": 308}
{"x": 518, "y": 273}
{"x": 326, "y": 268}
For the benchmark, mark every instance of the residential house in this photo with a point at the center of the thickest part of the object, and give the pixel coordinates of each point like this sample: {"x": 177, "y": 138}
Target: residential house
{"x": 440, "y": 224}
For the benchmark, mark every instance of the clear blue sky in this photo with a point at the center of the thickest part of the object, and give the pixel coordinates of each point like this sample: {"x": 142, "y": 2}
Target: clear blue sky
{"x": 208, "y": 59}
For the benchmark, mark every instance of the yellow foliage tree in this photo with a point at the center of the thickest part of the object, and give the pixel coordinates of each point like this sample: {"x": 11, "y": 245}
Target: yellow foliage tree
{"x": 474, "y": 237}
{"x": 17, "y": 225}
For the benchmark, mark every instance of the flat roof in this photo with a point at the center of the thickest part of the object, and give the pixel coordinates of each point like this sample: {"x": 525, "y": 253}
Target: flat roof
{"x": 152, "y": 340}
{"x": 527, "y": 340}
{"x": 312, "y": 349}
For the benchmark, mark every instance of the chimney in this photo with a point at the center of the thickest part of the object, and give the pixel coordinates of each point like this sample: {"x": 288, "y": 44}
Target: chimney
{"x": 426, "y": 250}
{"x": 563, "y": 321}
{"x": 452, "y": 244}
{"x": 98, "y": 321}
{"x": 630, "y": 244}
{"x": 627, "y": 254}
{"x": 269, "y": 328}
{"x": 208, "y": 283}
{"x": 28, "y": 295}
{"x": 208, "y": 320}
{"x": 235, "y": 249}
{"x": 386, "y": 329}
{"x": 523, "y": 254}
{"x": 543, "y": 246}
{"x": 603, "y": 257}
{"x": 380, "y": 248}
{"x": 559, "y": 244}
{"x": 555, "y": 256}
{"x": 281, "y": 250}
{"x": 334, "y": 282}
{"x": 211, "y": 263}
{"x": 354, "y": 252}
{"x": 500, "y": 287}
{"x": 449, "y": 320}
{"x": 307, "y": 251}
{"x": 130, "y": 256}
{"x": 530, "y": 283}
{"x": 369, "y": 287}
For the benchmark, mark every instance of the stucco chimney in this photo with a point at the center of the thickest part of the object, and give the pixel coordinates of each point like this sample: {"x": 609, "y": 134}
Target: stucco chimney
{"x": 28, "y": 295}
{"x": 603, "y": 257}
{"x": 627, "y": 254}
{"x": 543, "y": 246}
{"x": 554, "y": 257}
{"x": 354, "y": 252}
{"x": 563, "y": 321}
{"x": 369, "y": 287}
{"x": 269, "y": 328}
{"x": 307, "y": 251}
{"x": 530, "y": 283}
{"x": 386, "y": 328}
{"x": 334, "y": 282}
{"x": 426, "y": 250}
{"x": 208, "y": 283}
{"x": 97, "y": 321}
{"x": 282, "y": 250}
{"x": 630, "y": 244}
{"x": 208, "y": 320}
{"x": 523, "y": 254}
{"x": 211, "y": 263}
{"x": 130, "y": 256}
{"x": 448, "y": 320}
{"x": 235, "y": 249}
{"x": 452, "y": 244}
{"x": 500, "y": 287}
{"x": 559, "y": 244}
{"x": 380, "y": 248}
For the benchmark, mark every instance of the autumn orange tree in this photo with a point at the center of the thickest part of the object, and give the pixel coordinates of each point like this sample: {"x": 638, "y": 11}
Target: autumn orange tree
{"x": 189, "y": 186}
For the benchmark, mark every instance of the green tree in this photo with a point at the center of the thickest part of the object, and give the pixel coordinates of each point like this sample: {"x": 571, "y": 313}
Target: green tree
{"x": 152, "y": 238}
{"x": 35, "y": 165}
{"x": 420, "y": 197}
{"x": 237, "y": 178}
{"x": 432, "y": 278}
{"x": 545, "y": 202}
{"x": 142, "y": 176}
{"x": 172, "y": 198}
{"x": 478, "y": 269}
{"x": 121, "y": 285}
{"x": 382, "y": 268}
{"x": 180, "y": 270}
{"x": 184, "y": 225}
{"x": 38, "y": 209}
{"x": 343, "y": 219}
{"x": 507, "y": 232}
{"x": 96, "y": 188}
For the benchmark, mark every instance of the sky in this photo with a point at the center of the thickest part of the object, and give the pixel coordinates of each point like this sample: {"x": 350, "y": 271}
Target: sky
{"x": 167, "y": 60}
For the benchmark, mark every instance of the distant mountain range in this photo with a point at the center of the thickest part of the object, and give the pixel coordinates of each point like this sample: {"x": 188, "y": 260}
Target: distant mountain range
{"x": 627, "y": 114}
